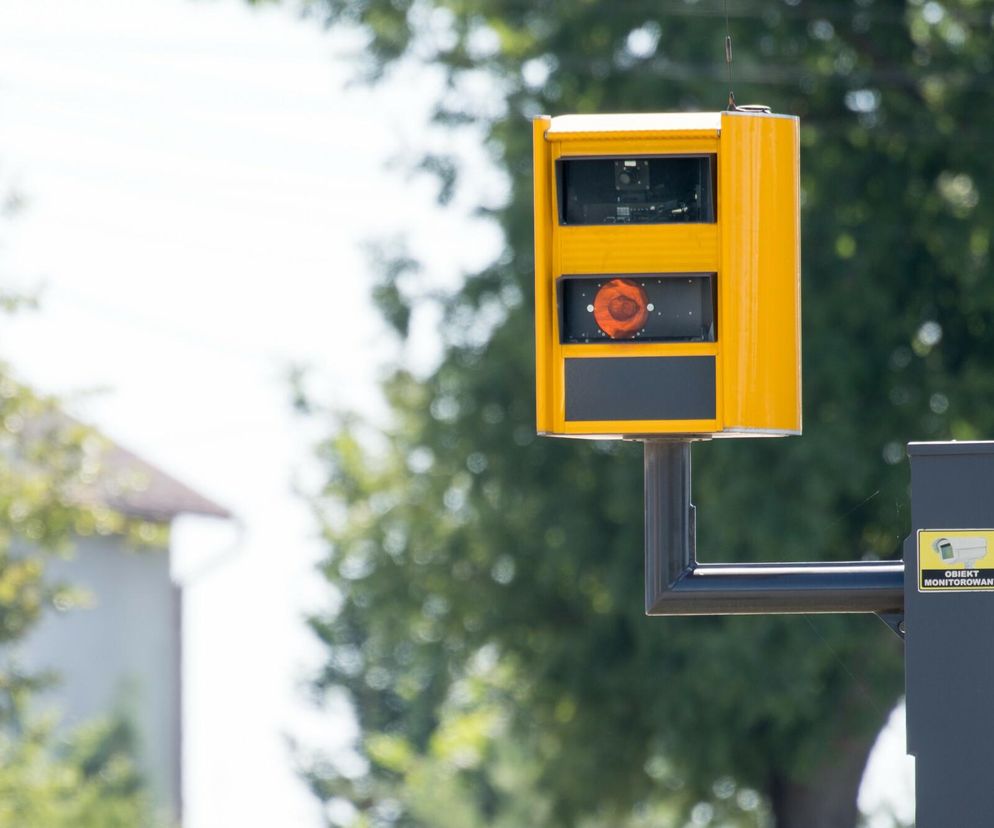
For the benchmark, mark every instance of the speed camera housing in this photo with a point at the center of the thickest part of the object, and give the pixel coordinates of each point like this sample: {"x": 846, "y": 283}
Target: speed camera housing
{"x": 667, "y": 270}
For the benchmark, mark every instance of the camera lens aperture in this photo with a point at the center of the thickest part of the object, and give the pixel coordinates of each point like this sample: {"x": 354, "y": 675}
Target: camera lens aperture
{"x": 631, "y": 174}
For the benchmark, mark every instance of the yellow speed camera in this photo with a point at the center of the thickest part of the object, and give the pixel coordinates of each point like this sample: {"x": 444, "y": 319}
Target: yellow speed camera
{"x": 667, "y": 275}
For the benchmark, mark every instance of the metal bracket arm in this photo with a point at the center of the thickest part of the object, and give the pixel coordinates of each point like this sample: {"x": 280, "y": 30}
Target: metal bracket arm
{"x": 676, "y": 584}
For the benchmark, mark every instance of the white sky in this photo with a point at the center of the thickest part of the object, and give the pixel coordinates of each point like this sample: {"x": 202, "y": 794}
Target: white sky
{"x": 199, "y": 185}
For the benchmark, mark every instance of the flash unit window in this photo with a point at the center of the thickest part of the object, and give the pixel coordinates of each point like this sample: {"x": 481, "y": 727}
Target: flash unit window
{"x": 661, "y": 189}
{"x": 677, "y": 307}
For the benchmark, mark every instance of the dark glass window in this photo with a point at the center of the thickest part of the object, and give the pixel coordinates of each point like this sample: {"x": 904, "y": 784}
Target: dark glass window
{"x": 662, "y": 189}
{"x": 637, "y": 308}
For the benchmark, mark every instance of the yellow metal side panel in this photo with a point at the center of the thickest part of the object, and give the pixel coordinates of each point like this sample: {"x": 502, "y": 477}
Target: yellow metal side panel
{"x": 759, "y": 278}
{"x": 666, "y": 248}
{"x": 545, "y": 334}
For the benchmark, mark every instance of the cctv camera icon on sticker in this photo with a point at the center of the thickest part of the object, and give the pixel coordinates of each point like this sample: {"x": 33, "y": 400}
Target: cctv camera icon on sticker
{"x": 967, "y": 550}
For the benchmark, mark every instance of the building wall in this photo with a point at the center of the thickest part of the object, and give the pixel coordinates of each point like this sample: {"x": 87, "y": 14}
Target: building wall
{"x": 122, "y": 653}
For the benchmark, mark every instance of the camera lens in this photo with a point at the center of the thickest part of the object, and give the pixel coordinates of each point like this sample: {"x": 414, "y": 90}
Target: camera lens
{"x": 631, "y": 174}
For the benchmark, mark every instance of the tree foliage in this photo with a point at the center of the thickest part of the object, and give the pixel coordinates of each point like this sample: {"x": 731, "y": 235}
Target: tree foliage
{"x": 86, "y": 781}
{"x": 50, "y": 779}
{"x": 469, "y": 552}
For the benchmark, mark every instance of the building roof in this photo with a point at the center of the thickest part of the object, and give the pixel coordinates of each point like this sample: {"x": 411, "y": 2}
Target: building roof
{"x": 123, "y": 481}
{"x": 136, "y": 488}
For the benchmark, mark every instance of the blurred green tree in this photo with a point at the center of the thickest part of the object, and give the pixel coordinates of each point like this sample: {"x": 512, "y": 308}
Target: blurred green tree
{"x": 50, "y": 779}
{"x": 86, "y": 780}
{"x": 489, "y": 631}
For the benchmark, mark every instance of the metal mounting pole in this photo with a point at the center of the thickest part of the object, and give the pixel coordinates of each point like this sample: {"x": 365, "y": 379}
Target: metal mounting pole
{"x": 675, "y": 584}
{"x": 949, "y": 670}
{"x": 670, "y": 529}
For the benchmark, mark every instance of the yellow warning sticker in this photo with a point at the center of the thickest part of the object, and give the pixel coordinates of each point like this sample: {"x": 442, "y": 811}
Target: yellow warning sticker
{"x": 955, "y": 560}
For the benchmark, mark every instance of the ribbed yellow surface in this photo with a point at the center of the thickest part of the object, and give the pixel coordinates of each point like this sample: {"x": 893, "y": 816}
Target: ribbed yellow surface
{"x": 545, "y": 302}
{"x": 639, "y": 249}
{"x": 759, "y": 294}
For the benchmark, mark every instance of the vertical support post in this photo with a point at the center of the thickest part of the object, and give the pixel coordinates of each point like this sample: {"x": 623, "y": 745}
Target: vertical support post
{"x": 669, "y": 516}
{"x": 949, "y": 635}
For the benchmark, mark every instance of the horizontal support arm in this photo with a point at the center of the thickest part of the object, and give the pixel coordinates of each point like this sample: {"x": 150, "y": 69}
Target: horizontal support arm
{"x": 677, "y": 585}
{"x": 748, "y": 589}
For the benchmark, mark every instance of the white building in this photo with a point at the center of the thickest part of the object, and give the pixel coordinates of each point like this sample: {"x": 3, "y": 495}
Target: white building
{"x": 123, "y": 652}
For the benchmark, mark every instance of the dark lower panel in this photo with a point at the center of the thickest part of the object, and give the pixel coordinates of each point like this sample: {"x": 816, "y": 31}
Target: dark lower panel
{"x": 640, "y": 388}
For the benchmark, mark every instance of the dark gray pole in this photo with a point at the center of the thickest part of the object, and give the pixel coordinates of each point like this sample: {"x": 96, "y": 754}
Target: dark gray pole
{"x": 675, "y": 584}
{"x": 949, "y": 666}
{"x": 669, "y": 515}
